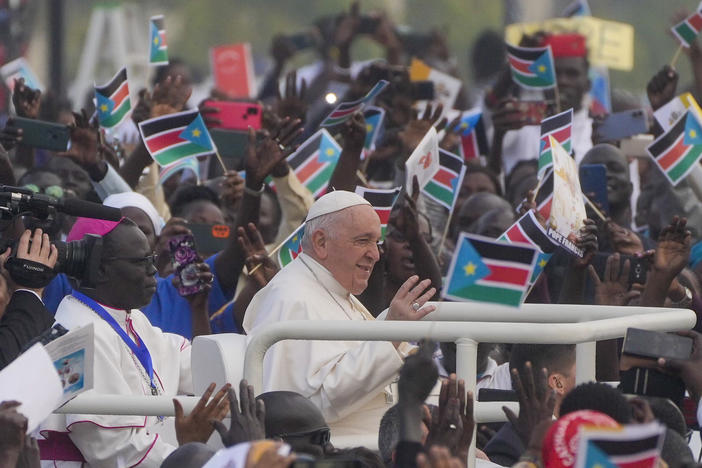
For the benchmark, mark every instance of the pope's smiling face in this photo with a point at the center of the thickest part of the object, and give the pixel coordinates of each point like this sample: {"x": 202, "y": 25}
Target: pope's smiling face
{"x": 351, "y": 251}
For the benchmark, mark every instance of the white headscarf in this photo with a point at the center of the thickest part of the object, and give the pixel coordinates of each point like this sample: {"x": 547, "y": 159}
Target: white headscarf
{"x": 136, "y": 200}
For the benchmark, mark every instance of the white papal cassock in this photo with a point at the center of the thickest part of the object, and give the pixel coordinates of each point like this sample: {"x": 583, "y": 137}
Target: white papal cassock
{"x": 111, "y": 441}
{"x": 345, "y": 379}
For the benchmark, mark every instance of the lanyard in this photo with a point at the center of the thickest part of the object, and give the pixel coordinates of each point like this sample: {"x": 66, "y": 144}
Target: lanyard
{"x": 141, "y": 352}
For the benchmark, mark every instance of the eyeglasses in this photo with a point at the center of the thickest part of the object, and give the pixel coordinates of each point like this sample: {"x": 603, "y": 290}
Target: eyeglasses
{"x": 319, "y": 437}
{"x": 148, "y": 260}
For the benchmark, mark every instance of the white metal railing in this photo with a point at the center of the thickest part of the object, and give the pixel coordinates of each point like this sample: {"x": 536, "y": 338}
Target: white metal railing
{"x": 532, "y": 323}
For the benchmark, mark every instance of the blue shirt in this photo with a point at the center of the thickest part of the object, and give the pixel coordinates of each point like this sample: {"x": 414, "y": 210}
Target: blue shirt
{"x": 168, "y": 310}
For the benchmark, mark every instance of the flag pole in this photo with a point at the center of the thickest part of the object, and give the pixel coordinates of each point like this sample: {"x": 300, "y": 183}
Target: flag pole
{"x": 557, "y": 96}
{"x": 676, "y": 56}
{"x": 594, "y": 208}
{"x": 221, "y": 161}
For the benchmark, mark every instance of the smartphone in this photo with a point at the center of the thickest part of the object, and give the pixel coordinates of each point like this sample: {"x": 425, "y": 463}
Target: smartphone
{"x": 231, "y": 145}
{"x": 653, "y": 344}
{"x": 184, "y": 257}
{"x": 234, "y": 115}
{"x": 303, "y": 40}
{"x": 210, "y": 238}
{"x": 621, "y": 125}
{"x": 45, "y": 135}
{"x": 593, "y": 180}
{"x": 638, "y": 268}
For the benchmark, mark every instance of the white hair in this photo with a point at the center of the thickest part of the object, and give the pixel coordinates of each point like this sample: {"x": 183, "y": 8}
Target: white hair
{"x": 325, "y": 222}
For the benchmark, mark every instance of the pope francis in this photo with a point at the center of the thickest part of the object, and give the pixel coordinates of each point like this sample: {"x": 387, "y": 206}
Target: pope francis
{"x": 345, "y": 379}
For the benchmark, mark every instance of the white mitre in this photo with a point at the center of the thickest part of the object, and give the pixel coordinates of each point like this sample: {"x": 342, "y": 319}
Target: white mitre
{"x": 335, "y": 201}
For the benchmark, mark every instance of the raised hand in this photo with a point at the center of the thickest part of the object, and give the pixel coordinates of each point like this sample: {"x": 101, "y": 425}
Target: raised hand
{"x": 509, "y": 116}
{"x": 142, "y": 110}
{"x": 415, "y": 130}
{"x": 84, "y": 149}
{"x": 418, "y": 376}
{"x": 254, "y": 250}
{"x": 536, "y": 401}
{"x": 447, "y": 428}
{"x": 587, "y": 241}
{"x": 613, "y": 289}
{"x": 170, "y": 96}
{"x": 439, "y": 457}
{"x": 347, "y": 26}
{"x": 353, "y": 132}
{"x": 247, "y": 424}
{"x": 26, "y": 100}
{"x": 661, "y": 88}
{"x": 409, "y": 301}
{"x": 292, "y": 104}
{"x": 407, "y": 221}
{"x": 452, "y": 135}
{"x": 673, "y": 249}
{"x": 272, "y": 147}
{"x": 197, "y": 426}
{"x": 232, "y": 190}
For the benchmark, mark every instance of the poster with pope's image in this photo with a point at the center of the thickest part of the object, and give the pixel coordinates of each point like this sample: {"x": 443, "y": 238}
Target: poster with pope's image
{"x": 567, "y": 208}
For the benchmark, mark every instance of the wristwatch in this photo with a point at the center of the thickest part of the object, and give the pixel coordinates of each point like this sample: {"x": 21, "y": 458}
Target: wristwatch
{"x": 685, "y": 302}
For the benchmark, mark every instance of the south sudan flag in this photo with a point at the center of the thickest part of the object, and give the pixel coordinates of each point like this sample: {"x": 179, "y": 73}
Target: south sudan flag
{"x": 158, "y": 48}
{"x": 678, "y": 150}
{"x": 382, "y": 201}
{"x": 532, "y": 67}
{"x": 444, "y": 186}
{"x": 176, "y": 136}
{"x": 113, "y": 104}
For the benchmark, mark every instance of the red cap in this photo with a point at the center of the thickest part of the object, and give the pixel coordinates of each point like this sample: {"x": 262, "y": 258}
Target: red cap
{"x": 560, "y": 445}
{"x": 566, "y": 45}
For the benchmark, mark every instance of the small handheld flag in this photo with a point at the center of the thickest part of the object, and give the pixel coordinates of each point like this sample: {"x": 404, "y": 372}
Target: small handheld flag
{"x": 444, "y": 186}
{"x": 532, "y": 67}
{"x": 631, "y": 446}
{"x": 424, "y": 161}
{"x": 158, "y": 48}
{"x": 382, "y": 201}
{"x": 600, "y": 96}
{"x": 291, "y": 247}
{"x": 314, "y": 161}
{"x": 374, "y": 117}
{"x": 559, "y": 127}
{"x": 113, "y": 103}
{"x": 528, "y": 230}
{"x": 345, "y": 110}
{"x": 174, "y": 137}
{"x": 677, "y": 151}
{"x": 486, "y": 270}
{"x": 688, "y": 29}
{"x": 473, "y": 137}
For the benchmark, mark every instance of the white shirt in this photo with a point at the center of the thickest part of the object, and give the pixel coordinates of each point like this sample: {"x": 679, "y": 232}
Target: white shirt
{"x": 110, "y": 441}
{"x": 345, "y": 379}
{"x": 523, "y": 144}
{"x": 495, "y": 376}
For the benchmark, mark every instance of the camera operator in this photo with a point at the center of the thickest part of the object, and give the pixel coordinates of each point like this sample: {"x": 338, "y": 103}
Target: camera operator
{"x": 26, "y": 317}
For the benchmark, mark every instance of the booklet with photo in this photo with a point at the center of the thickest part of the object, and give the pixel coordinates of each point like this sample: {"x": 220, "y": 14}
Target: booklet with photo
{"x": 73, "y": 355}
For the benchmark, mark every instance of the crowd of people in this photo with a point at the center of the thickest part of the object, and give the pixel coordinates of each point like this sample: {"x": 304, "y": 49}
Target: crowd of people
{"x": 645, "y": 251}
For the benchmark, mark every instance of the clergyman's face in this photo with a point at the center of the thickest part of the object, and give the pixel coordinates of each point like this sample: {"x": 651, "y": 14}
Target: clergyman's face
{"x": 129, "y": 269}
{"x": 352, "y": 250}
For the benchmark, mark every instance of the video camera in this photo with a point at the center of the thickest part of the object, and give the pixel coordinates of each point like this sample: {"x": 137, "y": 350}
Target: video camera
{"x": 78, "y": 259}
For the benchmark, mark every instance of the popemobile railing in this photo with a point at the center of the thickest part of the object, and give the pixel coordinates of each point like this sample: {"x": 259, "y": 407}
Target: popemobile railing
{"x": 466, "y": 324}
